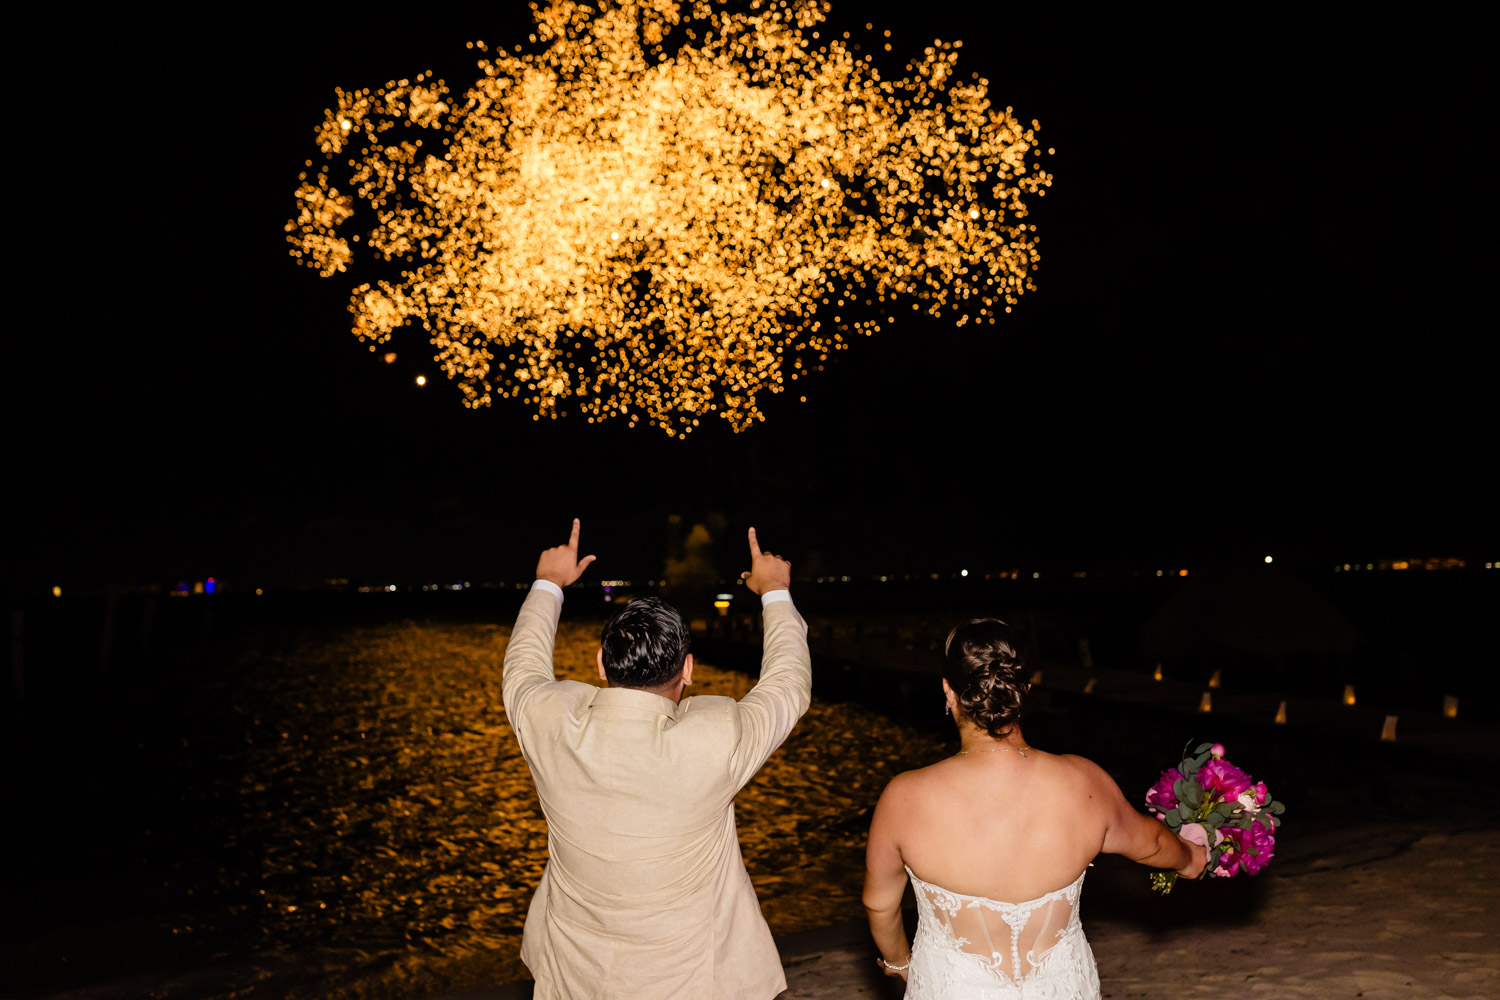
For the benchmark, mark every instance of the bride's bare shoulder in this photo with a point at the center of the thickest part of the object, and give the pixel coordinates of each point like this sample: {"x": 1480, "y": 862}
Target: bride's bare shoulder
{"x": 1086, "y": 771}
{"x": 917, "y": 776}
{"x": 916, "y": 781}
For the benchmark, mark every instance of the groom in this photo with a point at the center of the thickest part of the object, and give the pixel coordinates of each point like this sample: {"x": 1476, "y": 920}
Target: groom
{"x": 645, "y": 894}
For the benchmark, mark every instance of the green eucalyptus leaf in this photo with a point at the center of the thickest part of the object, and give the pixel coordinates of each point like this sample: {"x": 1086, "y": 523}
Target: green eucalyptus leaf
{"x": 1204, "y": 748}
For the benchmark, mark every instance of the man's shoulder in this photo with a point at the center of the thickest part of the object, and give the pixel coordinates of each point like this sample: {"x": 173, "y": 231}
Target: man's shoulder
{"x": 559, "y": 694}
{"x": 707, "y": 705}
{"x": 705, "y": 722}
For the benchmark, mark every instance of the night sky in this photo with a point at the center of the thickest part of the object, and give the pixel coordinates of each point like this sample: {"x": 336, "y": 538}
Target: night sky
{"x": 1257, "y": 328}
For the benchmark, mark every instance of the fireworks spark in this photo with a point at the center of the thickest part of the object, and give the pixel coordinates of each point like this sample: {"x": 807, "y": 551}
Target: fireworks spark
{"x": 667, "y": 209}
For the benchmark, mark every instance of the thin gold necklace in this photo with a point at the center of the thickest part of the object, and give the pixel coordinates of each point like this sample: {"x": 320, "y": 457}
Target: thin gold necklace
{"x": 1019, "y": 750}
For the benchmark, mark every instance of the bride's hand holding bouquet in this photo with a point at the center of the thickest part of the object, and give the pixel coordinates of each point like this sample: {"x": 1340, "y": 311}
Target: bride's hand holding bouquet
{"x": 1211, "y": 802}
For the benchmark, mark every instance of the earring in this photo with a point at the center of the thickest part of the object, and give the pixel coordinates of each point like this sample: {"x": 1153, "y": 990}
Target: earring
{"x": 947, "y": 709}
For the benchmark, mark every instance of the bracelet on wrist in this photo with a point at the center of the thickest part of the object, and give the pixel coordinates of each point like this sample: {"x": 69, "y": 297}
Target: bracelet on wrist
{"x": 897, "y": 968}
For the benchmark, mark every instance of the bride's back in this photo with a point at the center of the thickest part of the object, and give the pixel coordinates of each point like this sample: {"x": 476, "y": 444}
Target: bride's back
{"x": 995, "y": 840}
{"x": 999, "y": 825}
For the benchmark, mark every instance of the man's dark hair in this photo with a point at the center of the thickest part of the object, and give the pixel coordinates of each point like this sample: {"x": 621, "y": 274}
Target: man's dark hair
{"x": 645, "y": 644}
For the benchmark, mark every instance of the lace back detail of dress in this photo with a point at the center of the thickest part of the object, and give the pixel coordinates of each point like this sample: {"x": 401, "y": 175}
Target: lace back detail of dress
{"x": 970, "y": 946}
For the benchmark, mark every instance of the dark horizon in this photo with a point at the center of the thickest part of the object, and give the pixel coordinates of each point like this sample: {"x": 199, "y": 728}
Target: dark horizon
{"x": 1252, "y": 335}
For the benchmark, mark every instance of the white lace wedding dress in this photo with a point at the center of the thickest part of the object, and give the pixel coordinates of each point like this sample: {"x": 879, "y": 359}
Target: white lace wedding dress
{"x": 972, "y": 948}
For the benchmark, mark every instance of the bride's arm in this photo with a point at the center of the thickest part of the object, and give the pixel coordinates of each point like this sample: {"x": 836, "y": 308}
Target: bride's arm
{"x": 1141, "y": 838}
{"x": 885, "y": 882}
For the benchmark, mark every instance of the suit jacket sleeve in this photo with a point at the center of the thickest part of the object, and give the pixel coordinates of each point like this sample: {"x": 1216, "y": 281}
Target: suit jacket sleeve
{"x": 528, "y": 659}
{"x": 768, "y": 713}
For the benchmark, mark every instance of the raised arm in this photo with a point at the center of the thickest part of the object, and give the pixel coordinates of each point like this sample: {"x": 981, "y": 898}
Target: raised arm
{"x": 528, "y": 654}
{"x": 768, "y": 713}
{"x": 1141, "y": 838}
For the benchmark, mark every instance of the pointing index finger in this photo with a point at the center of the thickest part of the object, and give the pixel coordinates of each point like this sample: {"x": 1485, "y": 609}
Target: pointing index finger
{"x": 573, "y": 538}
{"x": 754, "y": 545}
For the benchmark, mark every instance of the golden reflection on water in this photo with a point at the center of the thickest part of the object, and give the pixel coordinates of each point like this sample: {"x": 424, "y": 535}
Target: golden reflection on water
{"x": 398, "y": 837}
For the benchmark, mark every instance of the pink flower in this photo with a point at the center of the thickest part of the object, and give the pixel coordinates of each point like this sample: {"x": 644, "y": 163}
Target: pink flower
{"x": 1223, "y": 777}
{"x": 1217, "y": 751}
{"x": 1261, "y": 794}
{"x": 1161, "y": 798}
{"x": 1250, "y": 849}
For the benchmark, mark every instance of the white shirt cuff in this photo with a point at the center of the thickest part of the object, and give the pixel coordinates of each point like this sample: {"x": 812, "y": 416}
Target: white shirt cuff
{"x": 549, "y": 587}
{"x": 770, "y": 597}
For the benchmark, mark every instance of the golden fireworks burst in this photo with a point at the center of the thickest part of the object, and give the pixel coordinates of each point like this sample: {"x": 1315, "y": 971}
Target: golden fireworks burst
{"x": 667, "y": 209}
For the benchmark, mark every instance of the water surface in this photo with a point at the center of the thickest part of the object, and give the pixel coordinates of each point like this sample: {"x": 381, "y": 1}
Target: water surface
{"x": 362, "y": 822}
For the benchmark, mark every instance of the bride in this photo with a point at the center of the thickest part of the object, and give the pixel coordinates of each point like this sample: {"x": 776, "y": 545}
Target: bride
{"x": 996, "y": 840}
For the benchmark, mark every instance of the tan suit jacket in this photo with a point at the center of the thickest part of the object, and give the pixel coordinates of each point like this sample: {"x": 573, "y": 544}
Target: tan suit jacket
{"x": 645, "y": 894}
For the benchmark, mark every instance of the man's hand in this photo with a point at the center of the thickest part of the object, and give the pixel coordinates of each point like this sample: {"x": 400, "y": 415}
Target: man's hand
{"x": 561, "y": 565}
{"x": 767, "y": 572}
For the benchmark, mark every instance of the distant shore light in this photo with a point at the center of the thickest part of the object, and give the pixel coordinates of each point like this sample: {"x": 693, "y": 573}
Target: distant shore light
{"x": 56, "y": 591}
{"x": 421, "y": 380}
{"x": 1268, "y": 560}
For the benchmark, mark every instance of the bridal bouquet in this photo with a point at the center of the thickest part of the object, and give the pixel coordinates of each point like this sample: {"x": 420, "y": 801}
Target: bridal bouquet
{"x": 1235, "y": 811}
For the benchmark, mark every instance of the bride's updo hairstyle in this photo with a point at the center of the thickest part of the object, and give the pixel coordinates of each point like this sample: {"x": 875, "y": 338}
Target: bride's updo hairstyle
{"x": 982, "y": 664}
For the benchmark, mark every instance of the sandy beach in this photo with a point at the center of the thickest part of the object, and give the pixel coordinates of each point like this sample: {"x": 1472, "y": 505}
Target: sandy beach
{"x": 1384, "y": 912}
{"x": 1390, "y": 911}
{"x": 381, "y": 839}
